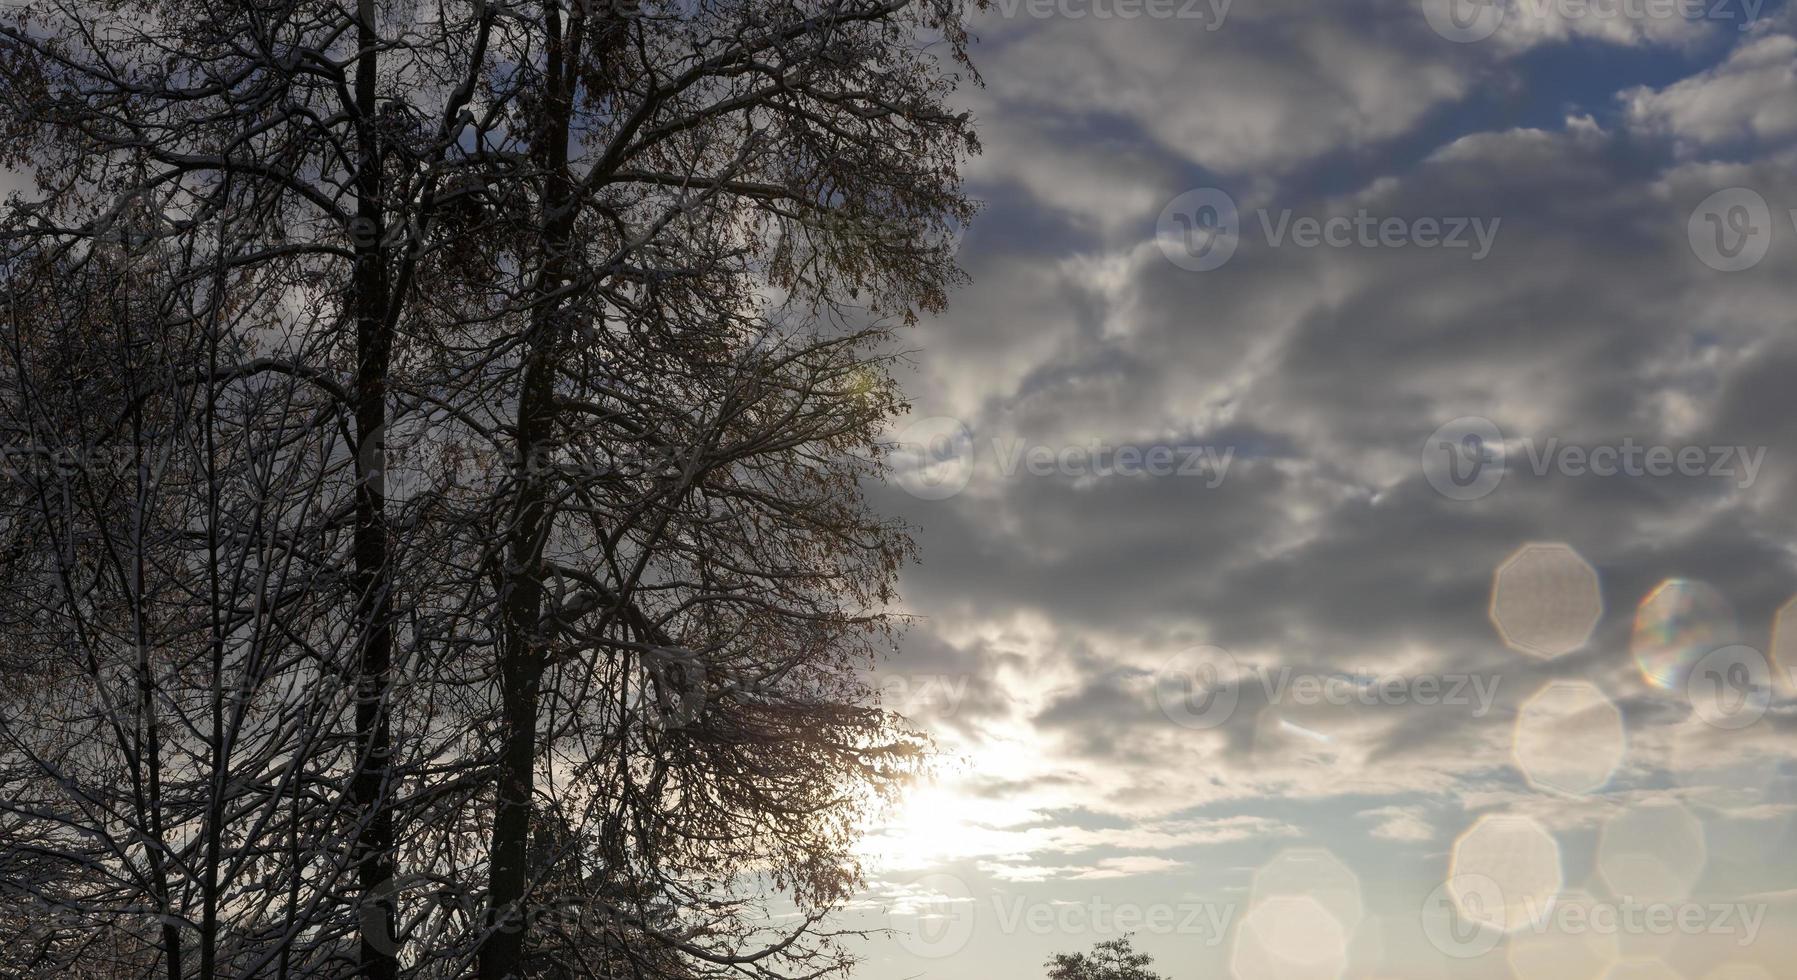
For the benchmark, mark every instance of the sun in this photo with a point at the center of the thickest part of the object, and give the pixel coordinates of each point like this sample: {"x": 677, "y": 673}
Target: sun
{"x": 942, "y": 823}
{"x": 934, "y": 825}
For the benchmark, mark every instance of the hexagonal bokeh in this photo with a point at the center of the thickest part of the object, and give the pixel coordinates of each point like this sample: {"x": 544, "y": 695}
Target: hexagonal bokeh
{"x": 1569, "y": 738}
{"x": 1310, "y": 872}
{"x": 1675, "y": 625}
{"x": 1505, "y": 872}
{"x": 1784, "y": 647}
{"x": 1652, "y": 852}
{"x": 1546, "y": 600}
{"x": 1555, "y": 953}
{"x": 1289, "y": 937}
{"x": 1642, "y": 968}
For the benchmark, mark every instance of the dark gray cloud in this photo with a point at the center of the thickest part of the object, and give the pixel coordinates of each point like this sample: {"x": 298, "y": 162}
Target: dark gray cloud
{"x": 1324, "y": 552}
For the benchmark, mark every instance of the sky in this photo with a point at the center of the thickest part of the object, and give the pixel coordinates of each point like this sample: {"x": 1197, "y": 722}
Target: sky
{"x": 1354, "y": 494}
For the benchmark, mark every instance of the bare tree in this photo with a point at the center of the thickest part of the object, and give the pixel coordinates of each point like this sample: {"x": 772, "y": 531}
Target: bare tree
{"x": 681, "y": 525}
{"x": 257, "y": 135}
{"x": 170, "y": 766}
{"x": 543, "y": 349}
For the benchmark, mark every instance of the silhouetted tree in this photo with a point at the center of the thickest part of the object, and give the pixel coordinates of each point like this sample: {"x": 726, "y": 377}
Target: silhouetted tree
{"x": 492, "y": 385}
{"x": 1113, "y": 959}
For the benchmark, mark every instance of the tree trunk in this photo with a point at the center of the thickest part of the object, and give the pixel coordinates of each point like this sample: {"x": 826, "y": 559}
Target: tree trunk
{"x": 373, "y": 571}
{"x": 521, "y": 659}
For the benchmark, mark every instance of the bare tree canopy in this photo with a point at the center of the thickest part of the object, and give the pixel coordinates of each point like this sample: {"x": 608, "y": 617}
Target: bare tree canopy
{"x": 434, "y": 533}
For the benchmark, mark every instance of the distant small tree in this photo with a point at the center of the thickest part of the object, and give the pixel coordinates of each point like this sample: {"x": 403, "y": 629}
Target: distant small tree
{"x": 1113, "y": 960}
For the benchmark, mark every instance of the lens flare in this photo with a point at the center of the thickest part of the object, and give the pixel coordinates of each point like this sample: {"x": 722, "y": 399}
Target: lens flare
{"x": 1569, "y": 738}
{"x": 1784, "y": 648}
{"x": 1679, "y": 622}
{"x": 1312, "y": 872}
{"x": 1545, "y": 600}
{"x": 1557, "y": 952}
{"x": 1505, "y": 872}
{"x": 1652, "y": 852}
{"x": 1291, "y": 937}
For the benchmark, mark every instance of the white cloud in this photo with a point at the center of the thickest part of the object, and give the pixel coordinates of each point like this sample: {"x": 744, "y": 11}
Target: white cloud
{"x": 1752, "y": 96}
{"x": 1124, "y": 867}
{"x": 1400, "y": 823}
{"x": 1256, "y": 95}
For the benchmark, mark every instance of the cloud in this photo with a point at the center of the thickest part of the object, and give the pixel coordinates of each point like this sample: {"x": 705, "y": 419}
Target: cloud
{"x": 1400, "y": 823}
{"x": 1749, "y": 99}
{"x": 1325, "y": 553}
{"x": 1325, "y": 550}
{"x": 1124, "y": 867}
{"x": 1271, "y": 89}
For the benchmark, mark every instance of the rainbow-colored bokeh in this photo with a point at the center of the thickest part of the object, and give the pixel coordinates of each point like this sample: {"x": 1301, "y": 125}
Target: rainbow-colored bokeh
{"x": 1679, "y": 622}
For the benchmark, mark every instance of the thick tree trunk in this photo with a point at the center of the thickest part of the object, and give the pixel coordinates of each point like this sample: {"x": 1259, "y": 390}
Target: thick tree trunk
{"x": 373, "y": 568}
{"x": 521, "y": 657}
{"x": 520, "y": 673}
